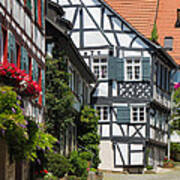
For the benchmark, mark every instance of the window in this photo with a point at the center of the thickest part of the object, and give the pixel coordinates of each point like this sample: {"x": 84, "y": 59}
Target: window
{"x": 100, "y": 67}
{"x": 133, "y": 69}
{"x": 138, "y": 114}
{"x": 103, "y": 112}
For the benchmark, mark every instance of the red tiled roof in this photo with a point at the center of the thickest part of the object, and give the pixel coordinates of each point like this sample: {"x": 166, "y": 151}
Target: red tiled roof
{"x": 166, "y": 20}
{"x": 141, "y": 14}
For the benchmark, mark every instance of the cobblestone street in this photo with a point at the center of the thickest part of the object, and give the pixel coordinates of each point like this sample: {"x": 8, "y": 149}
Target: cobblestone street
{"x": 173, "y": 174}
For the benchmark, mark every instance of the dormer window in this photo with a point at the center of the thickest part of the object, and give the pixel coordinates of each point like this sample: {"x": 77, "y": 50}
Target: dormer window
{"x": 178, "y": 18}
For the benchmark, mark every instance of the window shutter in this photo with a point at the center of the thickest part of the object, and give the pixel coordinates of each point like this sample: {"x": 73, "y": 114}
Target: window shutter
{"x": 111, "y": 68}
{"x": 34, "y": 70}
{"x": 26, "y": 61}
{"x": 123, "y": 114}
{"x": 29, "y": 4}
{"x": 13, "y": 45}
{"x": 37, "y": 73}
{"x": 146, "y": 69}
{"x": 116, "y": 68}
{"x": 42, "y": 12}
{"x": 120, "y": 69}
{"x": 22, "y": 58}
{"x": 43, "y": 88}
{"x": 9, "y": 46}
{"x": 163, "y": 77}
{"x": 36, "y": 9}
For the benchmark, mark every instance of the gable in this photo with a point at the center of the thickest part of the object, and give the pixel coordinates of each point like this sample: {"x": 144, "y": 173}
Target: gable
{"x": 95, "y": 26}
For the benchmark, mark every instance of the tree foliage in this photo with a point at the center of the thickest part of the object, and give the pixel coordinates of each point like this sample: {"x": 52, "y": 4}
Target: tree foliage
{"x": 59, "y": 98}
{"x": 175, "y": 124}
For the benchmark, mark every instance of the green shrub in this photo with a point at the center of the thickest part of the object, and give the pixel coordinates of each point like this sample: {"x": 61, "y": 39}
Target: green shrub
{"x": 86, "y": 155}
{"x": 73, "y": 178}
{"x": 149, "y": 167}
{"x": 57, "y": 164}
{"x": 78, "y": 165}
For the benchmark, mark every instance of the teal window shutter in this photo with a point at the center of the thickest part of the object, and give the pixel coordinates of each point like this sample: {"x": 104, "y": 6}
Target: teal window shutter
{"x": 22, "y": 58}
{"x": 29, "y": 4}
{"x": 26, "y": 61}
{"x": 43, "y": 87}
{"x": 123, "y": 114}
{"x": 37, "y": 72}
{"x": 146, "y": 69}
{"x": 42, "y": 12}
{"x": 9, "y": 46}
{"x": 116, "y": 68}
{"x": 120, "y": 69}
{"x": 111, "y": 68}
{"x": 36, "y": 9}
{"x": 14, "y": 50}
{"x": 34, "y": 70}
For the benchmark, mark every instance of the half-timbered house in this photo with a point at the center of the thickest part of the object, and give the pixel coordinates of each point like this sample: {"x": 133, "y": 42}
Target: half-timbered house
{"x": 22, "y": 44}
{"x": 57, "y": 29}
{"x": 132, "y": 95}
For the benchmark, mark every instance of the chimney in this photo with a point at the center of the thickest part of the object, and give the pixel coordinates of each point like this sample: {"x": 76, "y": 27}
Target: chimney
{"x": 168, "y": 43}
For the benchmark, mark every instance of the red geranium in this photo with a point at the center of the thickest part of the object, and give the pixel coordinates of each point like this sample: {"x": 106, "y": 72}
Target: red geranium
{"x": 24, "y": 81}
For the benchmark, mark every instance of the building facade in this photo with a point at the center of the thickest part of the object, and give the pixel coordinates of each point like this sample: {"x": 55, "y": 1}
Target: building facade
{"x": 132, "y": 95}
{"x": 22, "y": 44}
{"x": 57, "y": 29}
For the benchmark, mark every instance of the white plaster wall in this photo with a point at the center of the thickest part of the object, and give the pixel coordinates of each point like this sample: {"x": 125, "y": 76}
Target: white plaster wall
{"x": 107, "y": 156}
{"x": 114, "y": 88}
{"x": 101, "y": 90}
{"x": 137, "y": 158}
{"x": 105, "y": 130}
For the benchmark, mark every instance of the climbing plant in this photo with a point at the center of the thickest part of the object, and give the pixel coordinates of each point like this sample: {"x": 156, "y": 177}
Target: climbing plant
{"x": 59, "y": 97}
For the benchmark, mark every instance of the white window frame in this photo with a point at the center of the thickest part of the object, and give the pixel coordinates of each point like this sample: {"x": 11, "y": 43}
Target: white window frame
{"x": 100, "y": 64}
{"x": 133, "y": 64}
{"x": 138, "y": 106}
{"x": 102, "y": 111}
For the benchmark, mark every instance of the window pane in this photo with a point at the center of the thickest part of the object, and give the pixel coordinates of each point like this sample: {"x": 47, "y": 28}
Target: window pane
{"x": 136, "y": 61}
{"x": 104, "y": 71}
{"x": 129, "y": 72}
{"x": 141, "y": 114}
{"x": 129, "y": 61}
{"x": 105, "y": 113}
{"x": 104, "y": 60}
{"x": 137, "y": 72}
{"x": 96, "y": 60}
{"x": 96, "y": 71}
{"x": 135, "y": 115}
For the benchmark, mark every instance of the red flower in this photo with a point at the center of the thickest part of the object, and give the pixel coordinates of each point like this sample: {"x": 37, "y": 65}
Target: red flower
{"x": 45, "y": 171}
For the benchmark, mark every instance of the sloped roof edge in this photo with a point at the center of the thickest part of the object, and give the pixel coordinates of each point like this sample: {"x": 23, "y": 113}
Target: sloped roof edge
{"x": 149, "y": 42}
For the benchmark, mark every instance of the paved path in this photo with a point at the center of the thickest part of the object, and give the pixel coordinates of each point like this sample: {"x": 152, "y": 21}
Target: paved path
{"x": 169, "y": 175}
